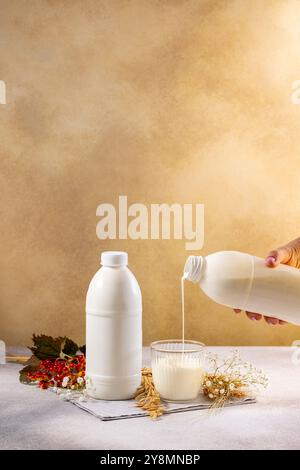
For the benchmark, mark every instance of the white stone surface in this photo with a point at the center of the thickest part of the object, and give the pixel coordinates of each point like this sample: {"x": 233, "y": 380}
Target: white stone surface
{"x": 31, "y": 418}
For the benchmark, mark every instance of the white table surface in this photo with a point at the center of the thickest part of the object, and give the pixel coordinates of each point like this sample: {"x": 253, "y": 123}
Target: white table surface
{"x": 31, "y": 418}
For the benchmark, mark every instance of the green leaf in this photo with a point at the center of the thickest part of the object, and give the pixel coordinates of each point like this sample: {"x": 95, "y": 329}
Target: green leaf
{"x": 70, "y": 348}
{"x": 47, "y": 347}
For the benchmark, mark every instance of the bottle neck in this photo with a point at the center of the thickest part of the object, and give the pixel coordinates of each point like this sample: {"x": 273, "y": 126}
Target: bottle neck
{"x": 193, "y": 268}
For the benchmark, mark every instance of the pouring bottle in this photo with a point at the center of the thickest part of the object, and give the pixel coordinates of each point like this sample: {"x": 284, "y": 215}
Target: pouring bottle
{"x": 240, "y": 280}
{"x": 113, "y": 330}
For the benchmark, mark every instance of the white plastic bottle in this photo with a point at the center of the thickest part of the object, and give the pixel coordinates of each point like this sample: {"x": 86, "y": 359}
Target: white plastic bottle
{"x": 240, "y": 280}
{"x": 113, "y": 330}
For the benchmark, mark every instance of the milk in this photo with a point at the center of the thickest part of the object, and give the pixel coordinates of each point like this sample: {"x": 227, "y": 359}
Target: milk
{"x": 182, "y": 310}
{"x": 178, "y": 370}
{"x": 177, "y": 366}
{"x": 177, "y": 376}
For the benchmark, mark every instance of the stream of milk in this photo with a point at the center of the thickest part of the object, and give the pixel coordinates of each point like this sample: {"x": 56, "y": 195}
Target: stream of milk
{"x": 182, "y": 310}
{"x": 177, "y": 377}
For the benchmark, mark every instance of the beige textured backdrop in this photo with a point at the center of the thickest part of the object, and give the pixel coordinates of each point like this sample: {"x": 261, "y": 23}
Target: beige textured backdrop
{"x": 164, "y": 101}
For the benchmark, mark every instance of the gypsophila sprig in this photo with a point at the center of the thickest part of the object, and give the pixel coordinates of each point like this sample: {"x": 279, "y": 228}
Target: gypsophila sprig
{"x": 231, "y": 377}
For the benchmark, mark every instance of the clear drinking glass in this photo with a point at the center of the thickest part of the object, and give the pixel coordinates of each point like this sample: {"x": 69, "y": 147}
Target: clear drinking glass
{"x": 177, "y": 369}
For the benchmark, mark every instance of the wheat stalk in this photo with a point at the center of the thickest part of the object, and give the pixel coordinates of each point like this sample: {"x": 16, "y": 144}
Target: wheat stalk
{"x": 147, "y": 397}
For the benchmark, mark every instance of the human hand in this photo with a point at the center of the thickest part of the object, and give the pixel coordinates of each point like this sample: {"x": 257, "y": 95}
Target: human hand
{"x": 286, "y": 254}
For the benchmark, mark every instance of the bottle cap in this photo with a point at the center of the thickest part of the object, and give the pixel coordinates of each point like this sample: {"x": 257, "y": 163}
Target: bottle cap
{"x": 114, "y": 258}
{"x": 193, "y": 268}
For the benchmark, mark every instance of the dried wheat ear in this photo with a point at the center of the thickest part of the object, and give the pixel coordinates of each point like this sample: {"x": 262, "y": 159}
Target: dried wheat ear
{"x": 147, "y": 397}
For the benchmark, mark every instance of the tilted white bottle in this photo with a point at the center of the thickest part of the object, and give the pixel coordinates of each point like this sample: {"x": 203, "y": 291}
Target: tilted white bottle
{"x": 240, "y": 280}
{"x": 113, "y": 330}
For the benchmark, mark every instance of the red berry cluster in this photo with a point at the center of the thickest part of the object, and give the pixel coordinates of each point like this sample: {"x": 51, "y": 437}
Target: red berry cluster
{"x": 51, "y": 373}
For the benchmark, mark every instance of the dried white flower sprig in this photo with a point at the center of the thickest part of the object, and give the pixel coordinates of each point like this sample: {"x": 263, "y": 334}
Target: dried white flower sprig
{"x": 231, "y": 377}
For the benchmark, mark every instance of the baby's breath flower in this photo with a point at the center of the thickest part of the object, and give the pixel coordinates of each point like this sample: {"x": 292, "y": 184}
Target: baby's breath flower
{"x": 231, "y": 377}
{"x": 65, "y": 381}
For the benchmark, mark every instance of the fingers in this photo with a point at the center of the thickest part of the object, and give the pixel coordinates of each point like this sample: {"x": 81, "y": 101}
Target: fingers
{"x": 274, "y": 321}
{"x": 275, "y": 257}
{"x": 257, "y": 316}
{"x": 254, "y": 316}
{"x": 286, "y": 254}
{"x": 271, "y": 320}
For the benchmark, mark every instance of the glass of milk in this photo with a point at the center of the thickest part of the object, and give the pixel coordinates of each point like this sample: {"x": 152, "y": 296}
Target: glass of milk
{"x": 177, "y": 369}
